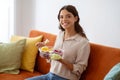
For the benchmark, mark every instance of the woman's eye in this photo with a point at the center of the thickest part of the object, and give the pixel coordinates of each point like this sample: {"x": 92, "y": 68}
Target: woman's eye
{"x": 61, "y": 17}
{"x": 65, "y": 17}
{"x": 68, "y": 16}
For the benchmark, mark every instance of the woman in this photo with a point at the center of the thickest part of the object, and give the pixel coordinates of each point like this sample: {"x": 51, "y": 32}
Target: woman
{"x": 75, "y": 44}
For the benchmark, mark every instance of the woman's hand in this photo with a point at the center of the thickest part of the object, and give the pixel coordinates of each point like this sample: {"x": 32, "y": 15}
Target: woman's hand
{"x": 67, "y": 64}
{"x": 40, "y": 44}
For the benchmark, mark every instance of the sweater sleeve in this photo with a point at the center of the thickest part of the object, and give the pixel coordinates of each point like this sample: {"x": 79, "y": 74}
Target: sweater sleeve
{"x": 81, "y": 59}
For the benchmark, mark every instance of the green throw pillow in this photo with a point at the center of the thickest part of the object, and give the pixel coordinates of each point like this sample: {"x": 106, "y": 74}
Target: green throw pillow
{"x": 10, "y": 56}
{"x": 114, "y": 73}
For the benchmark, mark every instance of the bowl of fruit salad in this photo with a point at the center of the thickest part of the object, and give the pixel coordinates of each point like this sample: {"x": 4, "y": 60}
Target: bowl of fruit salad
{"x": 49, "y": 52}
{"x": 45, "y": 51}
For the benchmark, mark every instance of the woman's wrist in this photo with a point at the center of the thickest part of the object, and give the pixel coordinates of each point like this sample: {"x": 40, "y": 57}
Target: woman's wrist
{"x": 60, "y": 60}
{"x": 68, "y": 65}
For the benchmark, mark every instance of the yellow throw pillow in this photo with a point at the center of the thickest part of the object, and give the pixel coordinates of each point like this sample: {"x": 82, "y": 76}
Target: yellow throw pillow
{"x": 29, "y": 53}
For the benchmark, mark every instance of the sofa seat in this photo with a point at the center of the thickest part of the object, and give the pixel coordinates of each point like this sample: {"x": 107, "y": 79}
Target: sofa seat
{"x": 23, "y": 74}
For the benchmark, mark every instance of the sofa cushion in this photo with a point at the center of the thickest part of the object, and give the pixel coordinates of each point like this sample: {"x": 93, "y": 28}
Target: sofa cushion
{"x": 30, "y": 52}
{"x": 10, "y": 56}
{"x": 41, "y": 64}
{"x": 114, "y": 73}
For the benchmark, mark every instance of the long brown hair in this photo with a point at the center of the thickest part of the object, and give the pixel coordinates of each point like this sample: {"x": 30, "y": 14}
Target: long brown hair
{"x": 72, "y": 9}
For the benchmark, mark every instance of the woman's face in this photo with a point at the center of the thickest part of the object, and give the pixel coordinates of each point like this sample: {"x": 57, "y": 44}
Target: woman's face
{"x": 67, "y": 19}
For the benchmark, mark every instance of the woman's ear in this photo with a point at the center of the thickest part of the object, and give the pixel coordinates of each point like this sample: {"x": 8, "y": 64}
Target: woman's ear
{"x": 76, "y": 18}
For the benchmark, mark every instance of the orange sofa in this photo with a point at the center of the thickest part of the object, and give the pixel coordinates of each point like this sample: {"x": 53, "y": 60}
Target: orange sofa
{"x": 102, "y": 59}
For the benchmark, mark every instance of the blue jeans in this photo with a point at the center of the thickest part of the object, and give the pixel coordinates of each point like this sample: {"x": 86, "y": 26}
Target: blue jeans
{"x": 49, "y": 76}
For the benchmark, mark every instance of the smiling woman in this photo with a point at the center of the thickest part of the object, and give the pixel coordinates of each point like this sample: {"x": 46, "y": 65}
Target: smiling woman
{"x": 6, "y": 19}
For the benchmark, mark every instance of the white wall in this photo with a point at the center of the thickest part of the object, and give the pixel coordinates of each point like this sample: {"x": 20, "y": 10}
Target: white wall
{"x": 24, "y": 16}
{"x": 99, "y": 18}
{"x": 4, "y": 4}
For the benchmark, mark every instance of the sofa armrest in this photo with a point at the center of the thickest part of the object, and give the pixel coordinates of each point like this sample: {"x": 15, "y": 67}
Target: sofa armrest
{"x": 102, "y": 59}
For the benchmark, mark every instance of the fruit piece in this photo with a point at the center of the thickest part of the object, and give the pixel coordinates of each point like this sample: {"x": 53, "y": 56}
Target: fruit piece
{"x": 45, "y": 49}
{"x": 55, "y": 56}
{"x": 60, "y": 52}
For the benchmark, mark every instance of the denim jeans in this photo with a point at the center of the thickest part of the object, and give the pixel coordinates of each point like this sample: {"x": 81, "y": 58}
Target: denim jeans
{"x": 49, "y": 76}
